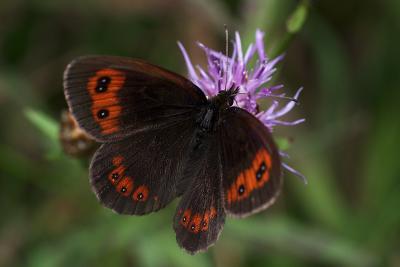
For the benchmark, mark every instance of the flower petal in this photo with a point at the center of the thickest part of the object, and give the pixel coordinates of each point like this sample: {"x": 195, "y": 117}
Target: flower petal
{"x": 189, "y": 65}
{"x": 239, "y": 48}
{"x": 260, "y": 43}
{"x": 289, "y": 106}
{"x": 297, "y": 173}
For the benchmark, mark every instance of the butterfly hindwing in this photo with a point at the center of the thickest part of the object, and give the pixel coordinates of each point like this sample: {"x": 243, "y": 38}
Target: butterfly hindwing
{"x": 113, "y": 97}
{"x": 139, "y": 174}
{"x": 251, "y": 163}
{"x": 200, "y": 215}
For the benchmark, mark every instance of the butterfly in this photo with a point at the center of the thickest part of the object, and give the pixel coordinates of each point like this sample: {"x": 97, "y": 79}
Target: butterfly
{"x": 162, "y": 138}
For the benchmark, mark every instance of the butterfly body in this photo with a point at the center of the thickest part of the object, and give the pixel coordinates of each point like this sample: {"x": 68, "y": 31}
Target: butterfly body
{"x": 210, "y": 114}
{"x": 162, "y": 139}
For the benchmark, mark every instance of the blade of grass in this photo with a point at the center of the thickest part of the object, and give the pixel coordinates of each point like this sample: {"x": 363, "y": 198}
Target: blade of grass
{"x": 43, "y": 122}
{"x": 264, "y": 14}
{"x": 49, "y": 128}
{"x": 279, "y": 232}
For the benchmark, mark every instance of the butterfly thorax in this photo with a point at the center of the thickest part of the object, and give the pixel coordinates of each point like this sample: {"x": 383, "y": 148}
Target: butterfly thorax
{"x": 211, "y": 113}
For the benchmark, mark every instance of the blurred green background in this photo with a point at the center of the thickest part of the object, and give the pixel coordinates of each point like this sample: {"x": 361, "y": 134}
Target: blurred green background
{"x": 347, "y": 57}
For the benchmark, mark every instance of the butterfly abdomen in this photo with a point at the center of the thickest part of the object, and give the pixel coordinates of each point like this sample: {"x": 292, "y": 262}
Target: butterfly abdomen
{"x": 209, "y": 117}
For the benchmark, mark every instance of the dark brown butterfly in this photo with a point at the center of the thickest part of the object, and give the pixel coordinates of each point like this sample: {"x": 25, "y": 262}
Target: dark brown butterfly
{"x": 162, "y": 138}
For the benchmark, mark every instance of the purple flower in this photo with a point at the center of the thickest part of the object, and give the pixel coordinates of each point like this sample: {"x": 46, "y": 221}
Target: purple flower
{"x": 225, "y": 72}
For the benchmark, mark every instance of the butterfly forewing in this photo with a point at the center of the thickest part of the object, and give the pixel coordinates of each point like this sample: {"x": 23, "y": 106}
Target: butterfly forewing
{"x": 251, "y": 171}
{"x": 114, "y": 97}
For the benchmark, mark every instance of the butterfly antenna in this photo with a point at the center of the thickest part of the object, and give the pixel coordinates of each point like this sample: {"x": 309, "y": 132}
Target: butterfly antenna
{"x": 285, "y": 97}
{"x": 226, "y": 55}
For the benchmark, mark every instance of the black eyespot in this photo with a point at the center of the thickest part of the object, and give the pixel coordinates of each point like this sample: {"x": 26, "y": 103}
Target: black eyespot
{"x": 263, "y": 167}
{"x": 140, "y": 196}
{"x": 115, "y": 176}
{"x": 184, "y": 219}
{"x": 123, "y": 189}
{"x": 241, "y": 190}
{"x": 261, "y": 171}
{"x": 102, "y": 113}
{"x": 105, "y": 80}
{"x": 204, "y": 224}
{"x": 101, "y": 88}
{"x": 102, "y": 84}
{"x": 193, "y": 227}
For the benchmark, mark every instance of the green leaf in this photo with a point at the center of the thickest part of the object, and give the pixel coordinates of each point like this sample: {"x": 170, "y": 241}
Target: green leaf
{"x": 49, "y": 128}
{"x": 44, "y": 123}
{"x": 283, "y": 143}
{"x": 297, "y": 19}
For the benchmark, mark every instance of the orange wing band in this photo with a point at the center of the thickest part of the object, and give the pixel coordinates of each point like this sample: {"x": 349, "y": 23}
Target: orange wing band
{"x": 103, "y": 89}
{"x": 250, "y": 179}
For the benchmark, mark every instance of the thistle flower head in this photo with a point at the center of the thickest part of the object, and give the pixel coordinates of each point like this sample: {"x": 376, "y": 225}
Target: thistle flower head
{"x": 253, "y": 80}
{"x": 226, "y": 72}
